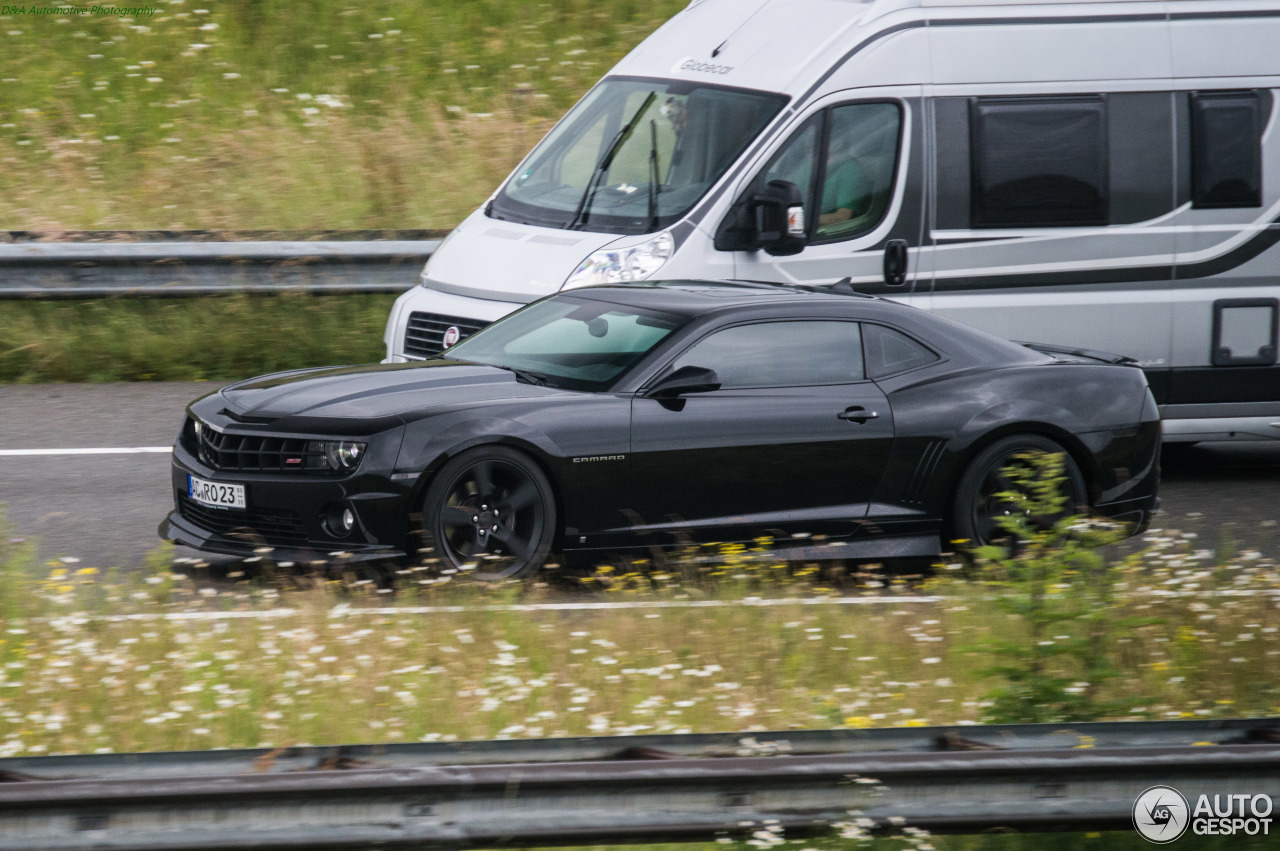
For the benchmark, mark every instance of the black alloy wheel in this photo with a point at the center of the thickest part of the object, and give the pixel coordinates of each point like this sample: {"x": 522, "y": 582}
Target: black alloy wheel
{"x": 979, "y": 507}
{"x": 491, "y": 513}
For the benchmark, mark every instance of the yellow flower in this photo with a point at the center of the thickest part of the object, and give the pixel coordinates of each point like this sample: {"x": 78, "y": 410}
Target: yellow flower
{"x": 858, "y": 721}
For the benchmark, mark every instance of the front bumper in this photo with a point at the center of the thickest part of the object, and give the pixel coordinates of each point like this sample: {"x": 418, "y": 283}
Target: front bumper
{"x": 285, "y": 518}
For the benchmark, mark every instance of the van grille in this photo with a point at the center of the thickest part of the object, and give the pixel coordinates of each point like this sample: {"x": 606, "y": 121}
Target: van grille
{"x": 424, "y": 337}
{"x": 271, "y": 526}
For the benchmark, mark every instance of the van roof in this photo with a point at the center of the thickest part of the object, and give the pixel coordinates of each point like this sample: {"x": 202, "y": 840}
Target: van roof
{"x": 783, "y": 45}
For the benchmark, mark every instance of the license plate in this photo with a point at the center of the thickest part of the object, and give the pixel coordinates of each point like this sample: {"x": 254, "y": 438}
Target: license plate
{"x": 215, "y": 494}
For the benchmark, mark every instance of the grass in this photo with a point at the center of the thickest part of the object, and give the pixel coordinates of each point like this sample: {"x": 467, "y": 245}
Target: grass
{"x": 95, "y": 662}
{"x": 279, "y": 115}
{"x": 115, "y": 662}
{"x": 186, "y": 339}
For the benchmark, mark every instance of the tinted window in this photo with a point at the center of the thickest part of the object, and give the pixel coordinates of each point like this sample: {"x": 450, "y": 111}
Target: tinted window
{"x": 862, "y": 159}
{"x": 572, "y": 343}
{"x": 780, "y": 354}
{"x": 1039, "y": 162}
{"x": 1226, "y": 149}
{"x": 890, "y": 352}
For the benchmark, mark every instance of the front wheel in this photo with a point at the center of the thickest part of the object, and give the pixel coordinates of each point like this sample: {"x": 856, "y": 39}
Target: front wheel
{"x": 491, "y": 513}
{"x": 978, "y": 505}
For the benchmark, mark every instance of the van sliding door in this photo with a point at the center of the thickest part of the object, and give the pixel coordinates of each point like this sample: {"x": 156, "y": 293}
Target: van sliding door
{"x": 1047, "y": 218}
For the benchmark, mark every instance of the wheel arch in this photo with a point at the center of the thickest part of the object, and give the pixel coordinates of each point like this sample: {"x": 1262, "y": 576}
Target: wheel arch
{"x": 1064, "y": 438}
{"x": 537, "y": 454}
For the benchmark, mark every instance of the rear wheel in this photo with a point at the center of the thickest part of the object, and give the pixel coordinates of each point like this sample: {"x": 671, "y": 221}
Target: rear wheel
{"x": 978, "y": 506}
{"x": 491, "y": 513}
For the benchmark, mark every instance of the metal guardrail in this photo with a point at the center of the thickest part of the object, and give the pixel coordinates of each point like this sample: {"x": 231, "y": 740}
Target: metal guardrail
{"x": 640, "y": 788}
{"x": 92, "y": 270}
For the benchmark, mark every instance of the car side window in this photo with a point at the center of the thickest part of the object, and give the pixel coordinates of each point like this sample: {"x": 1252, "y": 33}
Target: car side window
{"x": 889, "y": 351}
{"x": 780, "y": 354}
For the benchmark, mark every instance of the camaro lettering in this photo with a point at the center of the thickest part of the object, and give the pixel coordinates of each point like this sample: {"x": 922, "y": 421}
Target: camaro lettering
{"x": 599, "y": 458}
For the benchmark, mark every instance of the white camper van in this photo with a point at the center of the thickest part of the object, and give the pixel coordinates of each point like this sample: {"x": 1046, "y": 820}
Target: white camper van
{"x": 1098, "y": 175}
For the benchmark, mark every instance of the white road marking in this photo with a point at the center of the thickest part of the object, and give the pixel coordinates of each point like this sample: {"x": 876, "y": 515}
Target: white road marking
{"x": 343, "y": 610}
{"x": 112, "y": 450}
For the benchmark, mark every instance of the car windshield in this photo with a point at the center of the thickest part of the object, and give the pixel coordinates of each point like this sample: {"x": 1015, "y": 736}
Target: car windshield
{"x": 572, "y": 343}
{"x": 634, "y": 155}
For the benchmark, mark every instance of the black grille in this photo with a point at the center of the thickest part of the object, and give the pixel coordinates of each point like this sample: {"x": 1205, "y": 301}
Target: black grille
{"x": 425, "y": 335}
{"x": 256, "y": 452}
{"x": 267, "y": 525}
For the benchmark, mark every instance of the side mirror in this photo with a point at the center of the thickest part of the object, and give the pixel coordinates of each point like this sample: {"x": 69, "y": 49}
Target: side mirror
{"x": 780, "y": 226}
{"x": 686, "y": 379}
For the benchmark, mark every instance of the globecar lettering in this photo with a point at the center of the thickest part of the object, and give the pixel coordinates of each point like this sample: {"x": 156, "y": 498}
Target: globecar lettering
{"x": 704, "y": 67}
{"x": 893, "y": 443}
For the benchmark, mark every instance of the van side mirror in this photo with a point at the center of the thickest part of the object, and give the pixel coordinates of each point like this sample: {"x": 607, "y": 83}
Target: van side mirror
{"x": 779, "y": 214}
{"x": 686, "y": 379}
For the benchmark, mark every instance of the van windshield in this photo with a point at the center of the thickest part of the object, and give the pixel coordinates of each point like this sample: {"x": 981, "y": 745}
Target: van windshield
{"x": 634, "y": 155}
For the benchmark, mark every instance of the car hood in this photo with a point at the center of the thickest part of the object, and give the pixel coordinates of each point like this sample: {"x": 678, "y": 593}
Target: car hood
{"x": 372, "y": 392}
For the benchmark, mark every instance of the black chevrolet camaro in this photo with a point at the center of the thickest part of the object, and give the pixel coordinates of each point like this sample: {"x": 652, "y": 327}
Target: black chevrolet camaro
{"x": 636, "y": 415}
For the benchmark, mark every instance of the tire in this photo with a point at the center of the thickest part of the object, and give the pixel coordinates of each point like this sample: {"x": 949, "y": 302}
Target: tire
{"x": 491, "y": 513}
{"x": 975, "y": 509}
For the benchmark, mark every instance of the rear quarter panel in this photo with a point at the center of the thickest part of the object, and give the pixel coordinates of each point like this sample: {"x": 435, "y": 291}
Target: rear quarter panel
{"x": 943, "y": 422}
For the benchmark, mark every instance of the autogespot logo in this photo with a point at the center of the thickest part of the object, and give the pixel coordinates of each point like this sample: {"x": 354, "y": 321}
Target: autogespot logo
{"x": 1160, "y": 814}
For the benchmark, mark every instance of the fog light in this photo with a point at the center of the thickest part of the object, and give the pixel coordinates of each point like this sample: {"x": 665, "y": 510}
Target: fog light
{"x": 339, "y": 520}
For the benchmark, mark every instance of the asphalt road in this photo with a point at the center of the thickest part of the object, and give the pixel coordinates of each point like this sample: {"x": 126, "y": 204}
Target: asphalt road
{"x": 104, "y": 508}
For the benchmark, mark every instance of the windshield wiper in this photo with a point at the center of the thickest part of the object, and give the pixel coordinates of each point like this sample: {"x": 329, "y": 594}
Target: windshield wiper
{"x": 582, "y": 212}
{"x": 653, "y": 175}
{"x": 528, "y": 377}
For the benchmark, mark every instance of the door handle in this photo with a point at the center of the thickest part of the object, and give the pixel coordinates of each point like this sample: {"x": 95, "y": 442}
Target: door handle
{"x": 895, "y": 262}
{"x": 857, "y": 414}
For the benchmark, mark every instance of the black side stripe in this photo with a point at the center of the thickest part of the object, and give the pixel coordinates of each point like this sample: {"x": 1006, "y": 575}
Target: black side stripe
{"x": 1241, "y": 254}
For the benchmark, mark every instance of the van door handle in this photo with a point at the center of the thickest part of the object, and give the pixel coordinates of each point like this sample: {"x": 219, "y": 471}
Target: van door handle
{"x": 895, "y": 262}
{"x": 857, "y": 414}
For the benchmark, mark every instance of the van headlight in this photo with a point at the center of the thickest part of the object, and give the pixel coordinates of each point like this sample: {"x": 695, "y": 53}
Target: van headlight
{"x": 620, "y": 265}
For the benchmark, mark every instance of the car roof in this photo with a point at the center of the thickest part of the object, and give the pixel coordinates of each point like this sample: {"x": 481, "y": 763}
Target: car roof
{"x": 707, "y": 299}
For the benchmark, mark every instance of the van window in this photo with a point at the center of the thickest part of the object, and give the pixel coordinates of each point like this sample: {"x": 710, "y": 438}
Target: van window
{"x": 795, "y": 161}
{"x": 634, "y": 155}
{"x": 780, "y": 354}
{"x": 1039, "y": 162}
{"x": 1226, "y": 149}
{"x": 861, "y": 161}
{"x": 849, "y": 194}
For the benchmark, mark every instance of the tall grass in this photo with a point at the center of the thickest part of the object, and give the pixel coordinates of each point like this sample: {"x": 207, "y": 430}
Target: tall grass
{"x": 184, "y": 339}
{"x": 281, "y": 114}
{"x": 153, "y": 660}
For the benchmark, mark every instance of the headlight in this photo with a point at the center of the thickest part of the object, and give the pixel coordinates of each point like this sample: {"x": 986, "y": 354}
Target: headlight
{"x": 620, "y": 265}
{"x": 343, "y": 455}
